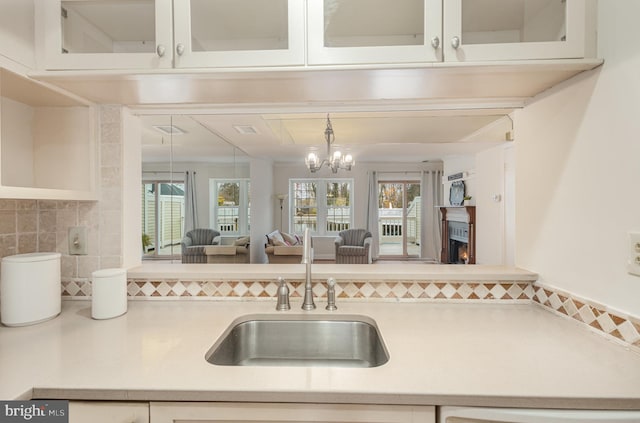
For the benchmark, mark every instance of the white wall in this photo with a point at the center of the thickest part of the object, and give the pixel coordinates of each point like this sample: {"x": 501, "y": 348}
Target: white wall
{"x": 17, "y": 143}
{"x": 62, "y": 136}
{"x": 131, "y": 155}
{"x": 456, "y": 164}
{"x": 490, "y": 214}
{"x": 262, "y": 216}
{"x": 578, "y": 169}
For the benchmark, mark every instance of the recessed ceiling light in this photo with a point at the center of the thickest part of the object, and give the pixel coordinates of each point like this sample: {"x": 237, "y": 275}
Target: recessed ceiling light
{"x": 245, "y": 129}
{"x": 170, "y": 129}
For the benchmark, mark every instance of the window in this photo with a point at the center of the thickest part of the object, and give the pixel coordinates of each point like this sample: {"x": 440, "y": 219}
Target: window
{"x": 322, "y": 205}
{"x": 230, "y": 206}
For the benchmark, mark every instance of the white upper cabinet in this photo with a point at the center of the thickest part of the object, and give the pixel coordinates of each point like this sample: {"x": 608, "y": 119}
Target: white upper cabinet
{"x": 485, "y": 30}
{"x": 106, "y": 34}
{"x": 164, "y": 34}
{"x": 139, "y": 34}
{"x": 374, "y": 31}
{"x": 238, "y": 33}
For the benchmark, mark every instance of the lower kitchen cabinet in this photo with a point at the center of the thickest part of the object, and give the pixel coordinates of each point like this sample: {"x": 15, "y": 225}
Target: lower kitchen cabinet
{"x": 203, "y": 412}
{"x": 108, "y": 412}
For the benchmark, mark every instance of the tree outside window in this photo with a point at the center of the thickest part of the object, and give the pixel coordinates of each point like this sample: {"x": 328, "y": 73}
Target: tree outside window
{"x": 328, "y": 216}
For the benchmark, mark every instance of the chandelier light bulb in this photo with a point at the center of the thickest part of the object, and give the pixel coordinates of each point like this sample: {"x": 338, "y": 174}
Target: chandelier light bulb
{"x": 334, "y": 160}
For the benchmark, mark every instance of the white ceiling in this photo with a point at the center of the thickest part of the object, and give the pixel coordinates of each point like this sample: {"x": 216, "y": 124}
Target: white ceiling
{"x": 396, "y": 136}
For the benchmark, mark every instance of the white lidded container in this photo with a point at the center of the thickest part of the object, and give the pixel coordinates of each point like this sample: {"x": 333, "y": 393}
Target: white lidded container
{"x": 30, "y": 289}
{"x": 108, "y": 293}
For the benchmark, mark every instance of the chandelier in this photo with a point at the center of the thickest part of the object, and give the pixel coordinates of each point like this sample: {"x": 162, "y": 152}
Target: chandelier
{"x": 335, "y": 160}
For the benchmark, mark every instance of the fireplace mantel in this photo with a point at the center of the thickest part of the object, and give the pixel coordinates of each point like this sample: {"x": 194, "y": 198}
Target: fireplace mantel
{"x": 453, "y": 214}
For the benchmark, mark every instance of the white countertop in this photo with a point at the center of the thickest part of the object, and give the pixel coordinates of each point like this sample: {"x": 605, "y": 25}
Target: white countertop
{"x": 440, "y": 354}
{"x": 369, "y": 272}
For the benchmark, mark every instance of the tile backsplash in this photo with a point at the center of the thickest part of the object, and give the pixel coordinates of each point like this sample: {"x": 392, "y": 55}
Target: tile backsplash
{"x": 30, "y": 226}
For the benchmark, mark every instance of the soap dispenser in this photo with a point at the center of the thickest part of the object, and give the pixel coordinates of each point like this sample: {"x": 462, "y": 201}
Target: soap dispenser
{"x": 283, "y": 295}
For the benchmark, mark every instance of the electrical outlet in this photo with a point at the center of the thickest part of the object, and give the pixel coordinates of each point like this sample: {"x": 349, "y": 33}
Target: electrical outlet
{"x": 78, "y": 240}
{"x": 633, "y": 265}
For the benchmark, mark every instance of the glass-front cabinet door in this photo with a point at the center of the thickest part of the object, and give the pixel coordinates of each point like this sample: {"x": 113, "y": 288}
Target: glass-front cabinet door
{"x": 237, "y": 33}
{"x": 106, "y": 34}
{"x": 480, "y": 30}
{"x": 374, "y": 31}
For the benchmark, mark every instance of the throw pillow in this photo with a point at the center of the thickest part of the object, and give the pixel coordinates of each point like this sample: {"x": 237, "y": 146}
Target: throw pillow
{"x": 241, "y": 242}
{"x": 289, "y": 239}
{"x": 275, "y": 236}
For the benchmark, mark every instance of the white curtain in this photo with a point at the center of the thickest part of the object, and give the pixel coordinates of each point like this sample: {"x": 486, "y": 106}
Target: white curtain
{"x": 190, "y": 204}
{"x": 372, "y": 214}
{"x": 432, "y": 196}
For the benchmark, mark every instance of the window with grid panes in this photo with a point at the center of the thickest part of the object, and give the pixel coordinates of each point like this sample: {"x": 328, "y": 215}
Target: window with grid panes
{"x": 322, "y": 205}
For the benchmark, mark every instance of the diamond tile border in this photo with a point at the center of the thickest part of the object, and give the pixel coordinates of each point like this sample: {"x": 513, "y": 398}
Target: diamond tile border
{"x": 512, "y": 291}
{"x": 614, "y": 325}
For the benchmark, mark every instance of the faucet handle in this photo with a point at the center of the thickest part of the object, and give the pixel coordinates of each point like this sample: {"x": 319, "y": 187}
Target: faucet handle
{"x": 283, "y": 295}
{"x": 331, "y": 294}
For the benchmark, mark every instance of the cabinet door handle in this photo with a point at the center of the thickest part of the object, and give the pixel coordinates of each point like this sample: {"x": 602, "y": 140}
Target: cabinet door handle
{"x": 435, "y": 42}
{"x": 160, "y": 50}
{"x": 180, "y": 49}
{"x": 455, "y": 42}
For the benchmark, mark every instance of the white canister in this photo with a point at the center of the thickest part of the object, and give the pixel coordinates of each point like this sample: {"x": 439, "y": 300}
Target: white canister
{"x": 108, "y": 293}
{"x": 30, "y": 290}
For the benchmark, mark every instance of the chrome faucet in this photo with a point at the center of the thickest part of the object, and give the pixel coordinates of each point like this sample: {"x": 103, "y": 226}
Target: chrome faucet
{"x": 307, "y": 259}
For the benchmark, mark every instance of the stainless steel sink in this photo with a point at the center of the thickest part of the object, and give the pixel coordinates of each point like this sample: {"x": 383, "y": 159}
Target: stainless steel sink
{"x": 300, "y": 340}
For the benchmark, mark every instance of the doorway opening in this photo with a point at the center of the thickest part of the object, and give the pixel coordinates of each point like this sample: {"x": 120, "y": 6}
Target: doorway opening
{"x": 162, "y": 219}
{"x": 399, "y": 223}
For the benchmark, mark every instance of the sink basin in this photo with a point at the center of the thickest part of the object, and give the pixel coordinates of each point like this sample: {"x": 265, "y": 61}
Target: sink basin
{"x": 300, "y": 340}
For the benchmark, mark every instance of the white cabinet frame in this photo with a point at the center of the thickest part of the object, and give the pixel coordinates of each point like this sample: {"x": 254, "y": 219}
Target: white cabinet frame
{"x": 293, "y": 55}
{"x": 318, "y": 54}
{"x": 49, "y": 12}
{"x": 575, "y": 45}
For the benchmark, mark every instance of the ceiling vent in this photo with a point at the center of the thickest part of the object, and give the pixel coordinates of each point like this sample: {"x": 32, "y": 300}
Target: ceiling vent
{"x": 170, "y": 129}
{"x": 245, "y": 129}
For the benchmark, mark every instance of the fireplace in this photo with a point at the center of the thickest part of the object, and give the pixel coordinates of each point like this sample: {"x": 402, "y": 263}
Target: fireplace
{"x": 458, "y": 242}
{"x": 458, "y": 235}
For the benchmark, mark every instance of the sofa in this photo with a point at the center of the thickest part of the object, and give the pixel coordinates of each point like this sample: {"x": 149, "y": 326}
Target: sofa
{"x": 353, "y": 246}
{"x": 195, "y": 241}
{"x": 282, "y": 247}
{"x": 235, "y": 253}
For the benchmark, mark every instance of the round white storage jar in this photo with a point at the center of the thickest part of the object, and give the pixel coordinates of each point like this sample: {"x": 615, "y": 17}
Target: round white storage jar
{"x": 30, "y": 289}
{"x": 108, "y": 293}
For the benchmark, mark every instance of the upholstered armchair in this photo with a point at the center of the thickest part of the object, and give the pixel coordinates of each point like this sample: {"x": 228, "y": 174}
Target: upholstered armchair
{"x": 353, "y": 247}
{"x": 195, "y": 241}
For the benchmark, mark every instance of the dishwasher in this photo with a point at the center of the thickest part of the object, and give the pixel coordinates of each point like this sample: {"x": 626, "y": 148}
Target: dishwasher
{"x": 450, "y": 414}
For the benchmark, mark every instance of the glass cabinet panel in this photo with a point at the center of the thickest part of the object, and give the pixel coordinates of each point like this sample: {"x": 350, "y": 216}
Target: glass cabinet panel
{"x": 477, "y": 30}
{"x": 231, "y": 25}
{"x": 108, "y": 27}
{"x": 374, "y": 31}
{"x": 397, "y": 23}
{"x": 106, "y": 34}
{"x": 220, "y": 33}
{"x": 508, "y": 21}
